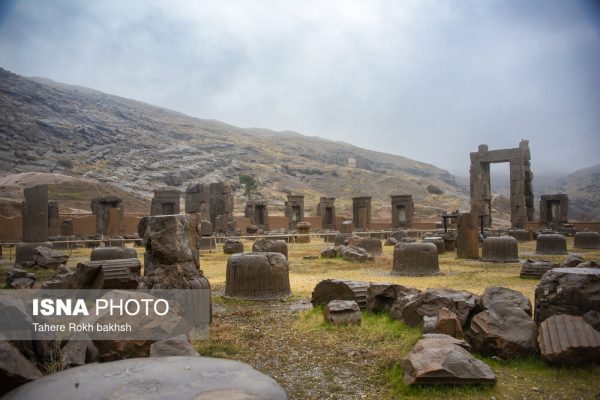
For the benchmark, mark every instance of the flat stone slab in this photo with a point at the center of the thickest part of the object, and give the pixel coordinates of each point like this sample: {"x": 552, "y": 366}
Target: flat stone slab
{"x": 193, "y": 378}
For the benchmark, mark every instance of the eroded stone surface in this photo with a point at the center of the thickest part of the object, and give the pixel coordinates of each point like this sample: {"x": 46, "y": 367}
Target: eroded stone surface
{"x": 344, "y": 312}
{"x": 568, "y": 340}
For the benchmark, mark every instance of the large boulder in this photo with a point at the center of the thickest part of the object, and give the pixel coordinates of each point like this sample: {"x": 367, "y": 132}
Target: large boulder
{"x": 160, "y": 378}
{"x": 45, "y": 257}
{"x": 504, "y": 330}
{"x": 175, "y": 346}
{"x": 381, "y": 296}
{"x": 572, "y": 291}
{"x": 443, "y": 360}
{"x": 415, "y": 259}
{"x": 371, "y": 245}
{"x": 112, "y": 253}
{"x": 15, "y": 369}
{"x": 257, "y": 276}
{"x": 428, "y": 303}
{"x": 497, "y": 296}
{"x": 342, "y": 312}
{"x": 336, "y": 289}
{"x": 233, "y": 246}
{"x": 568, "y": 340}
{"x": 270, "y": 246}
{"x": 447, "y": 323}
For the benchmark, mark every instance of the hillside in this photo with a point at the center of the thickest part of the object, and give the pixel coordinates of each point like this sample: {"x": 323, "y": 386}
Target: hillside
{"x": 135, "y": 147}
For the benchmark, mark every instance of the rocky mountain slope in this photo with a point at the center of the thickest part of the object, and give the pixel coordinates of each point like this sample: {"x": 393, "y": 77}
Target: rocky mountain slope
{"x": 135, "y": 147}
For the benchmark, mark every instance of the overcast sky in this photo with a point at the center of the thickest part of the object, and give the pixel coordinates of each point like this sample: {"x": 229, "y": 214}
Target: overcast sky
{"x": 429, "y": 80}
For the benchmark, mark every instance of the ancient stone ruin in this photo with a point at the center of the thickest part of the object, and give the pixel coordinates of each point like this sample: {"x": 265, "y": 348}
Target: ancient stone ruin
{"x": 336, "y": 289}
{"x": 233, "y": 246}
{"x": 521, "y": 191}
{"x": 342, "y": 312}
{"x": 53, "y": 225}
{"x": 257, "y": 276}
{"x": 554, "y": 210}
{"x": 551, "y": 243}
{"x": 361, "y": 212}
{"x": 112, "y": 253}
{"x": 504, "y": 249}
{"x": 587, "y": 240}
{"x": 110, "y": 215}
{"x": 165, "y": 202}
{"x": 303, "y": 232}
{"x": 438, "y": 242}
{"x": 467, "y": 237}
{"x": 535, "y": 268}
{"x": 213, "y": 202}
{"x": 326, "y": 210}
{"x": 403, "y": 210}
{"x": 66, "y": 228}
{"x": 34, "y": 212}
{"x": 268, "y": 246}
{"x": 568, "y": 340}
{"x": 294, "y": 210}
{"x": 415, "y": 259}
{"x": 258, "y": 213}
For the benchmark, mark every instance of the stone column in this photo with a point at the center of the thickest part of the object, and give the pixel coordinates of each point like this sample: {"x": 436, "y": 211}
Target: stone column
{"x": 53, "y": 227}
{"x": 361, "y": 212}
{"x": 467, "y": 238}
{"x": 403, "y": 210}
{"x": 35, "y": 214}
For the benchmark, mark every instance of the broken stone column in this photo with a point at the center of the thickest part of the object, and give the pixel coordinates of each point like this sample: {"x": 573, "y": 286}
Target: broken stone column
{"x": 53, "y": 226}
{"x": 326, "y": 210}
{"x": 294, "y": 210}
{"x": 371, "y": 245}
{"x": 587, "y": 240}
{"x": 551, "y": 243}
{"x": 214, "y": 202}
{"x": 34, "y": 212}
{"x": 504, "y": 249}
{"x": 169, "y": 262}
{"x": 303, "y": 231}
{"x": 361, "y": 212}
{"x": 569, "y": 340}
{"x": 66, "y": 228}
{"x": 110, "y": 215}
{"x": 438, "y": 241}
{"x": 342, "y": 312}
{"x": 257, "y": 276}
{"x": 257, "y": 211}
{"x": 415, "y": 259}
{"x": 165, "y": 202}
{"x": 467, "y": 237}
{"x": 112, "y": 253}
{"x": 347, "y": 227}
{"x": 268, "y": 246}
{"x": 403, "y": 210}
{"x": 336, "y": 289}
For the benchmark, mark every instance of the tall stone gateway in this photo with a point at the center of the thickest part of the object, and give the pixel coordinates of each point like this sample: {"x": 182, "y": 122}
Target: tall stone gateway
{"x": 294, "y": 209}
{"x": 521, "y": 191}
{"x": 326, "y": 210}
{"x": 53, "y": 225}
{"x": 214, "y": 202}
{"x": 256, "y": 210}
{"x": 165, "y": 202}
{"x": 554, "y": 210}
{"x": 361, "y": 212}
{"x": 467, "y": 236}
{"x": 110, "y": 215}
{"x": 403, "y": 210}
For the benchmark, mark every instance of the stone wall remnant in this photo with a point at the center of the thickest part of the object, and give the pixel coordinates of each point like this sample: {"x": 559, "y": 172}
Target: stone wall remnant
{"x": 403, "y": 210}
{"x": 294, "y": 209}
{"x": 107, "y": 209}
{"x": 554, "y": 210}
{"x": 257, "y": 276}
{"x": 361, "y": 212}
{"x": 165, "y": 202}
{"x": 326, "y": 210}
{"x": 258, "y": 213}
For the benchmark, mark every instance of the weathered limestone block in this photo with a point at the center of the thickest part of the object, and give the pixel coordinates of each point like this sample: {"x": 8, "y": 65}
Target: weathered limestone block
{"x": 112, "y": 253}
{"x": 169, "y": 262}
{"x": 48, "y": 258}
{"x": 504, "y": 330}
{"x": 164, "y": 377}
{"x": 66, "y": 227}
{"x": 15, "y": 369}
{"x": 443, "y": 360}
{"x": 371, "y": 245}
{"x": 535, "y": 268}
{"x": 354, "y": 253}
{"x": 390, "y": 242}
{"x": 346, "y": 227}
{"x": 335, "y": 289}
{"x": 340, "y": 238}
{"x": 34, "y": 213}
{"x": 438, "y": 242}
{"x": 572, "y": 291}
{"x": 467, "y": 236}
{"x": 20, "y": 279}
{"x": 571, "y": 261}
{"x": 381, "y": 296}
{"x": 175, "y": 346}
{"x": 24, "y": 251}
{"x": 415, "y": 259}
{"x": 430, "y": 302}
{"x": 587, "y": 240}
{"x": 497, "y": 296}
{"x": 449, "y": 241}
{"x": 522, "y": 235}
{"x": 106, "y": 274}
{"x": 568, "y": 340}
{"x": 233, "y": 246}
{"x": 303, "y": 231}
{"x": 270, "y": 246}
{"x": 342, "y": 312}
{"x": 330, "y": 252}
{"x": 447, "y": 323}
{"x": 552, "y": 243}
{"x": 257, "y": 276}
{"x": 503, "y": 249}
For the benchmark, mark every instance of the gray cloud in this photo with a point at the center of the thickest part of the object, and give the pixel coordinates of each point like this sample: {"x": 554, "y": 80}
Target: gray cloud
{"x": 429, "y": 80}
